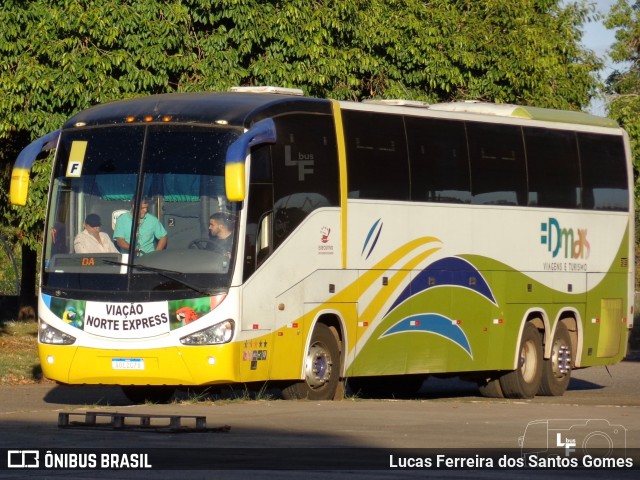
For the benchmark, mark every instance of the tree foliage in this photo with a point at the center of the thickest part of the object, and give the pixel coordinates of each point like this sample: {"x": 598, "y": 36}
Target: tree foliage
{"x": 624, "y": 86}
{"x": 60, "y": 56}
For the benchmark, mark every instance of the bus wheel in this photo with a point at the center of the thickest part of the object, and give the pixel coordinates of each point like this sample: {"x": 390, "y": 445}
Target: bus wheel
{"x": 490, "y": 387}
{"x": 148, "y": 394}
{"x": 524, "y": 381}
{"x": 556, "y": 370}
{"x": 321, "y": 368}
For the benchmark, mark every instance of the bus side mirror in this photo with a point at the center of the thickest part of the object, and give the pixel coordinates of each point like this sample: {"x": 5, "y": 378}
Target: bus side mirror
{"x": 20, "y": 174}
{"x": 260, "y": 132}
{"x": 19, "y": 186}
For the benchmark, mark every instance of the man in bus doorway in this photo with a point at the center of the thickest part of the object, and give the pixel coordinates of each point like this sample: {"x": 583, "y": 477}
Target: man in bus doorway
{"x": 151, "y": 233}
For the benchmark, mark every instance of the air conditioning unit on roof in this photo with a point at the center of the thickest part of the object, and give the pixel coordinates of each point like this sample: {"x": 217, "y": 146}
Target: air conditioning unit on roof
{"x": 267, "y": 89}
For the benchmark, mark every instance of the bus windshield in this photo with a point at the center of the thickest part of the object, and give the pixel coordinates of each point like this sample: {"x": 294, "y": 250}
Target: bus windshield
{"x": 141, "y": 210}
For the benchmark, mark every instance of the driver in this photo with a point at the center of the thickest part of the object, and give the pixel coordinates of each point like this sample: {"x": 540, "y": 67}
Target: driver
{"x": 221, "y": 230}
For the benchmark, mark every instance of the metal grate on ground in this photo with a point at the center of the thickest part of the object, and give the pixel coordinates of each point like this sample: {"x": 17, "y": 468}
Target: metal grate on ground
{"x": 137, "y": 422}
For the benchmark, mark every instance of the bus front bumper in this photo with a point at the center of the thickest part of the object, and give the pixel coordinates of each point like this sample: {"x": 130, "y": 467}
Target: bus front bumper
{"x": 193, "y": 365}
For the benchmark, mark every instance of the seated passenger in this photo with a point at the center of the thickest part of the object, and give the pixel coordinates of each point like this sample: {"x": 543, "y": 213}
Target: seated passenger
{"x": 91, "y": 239}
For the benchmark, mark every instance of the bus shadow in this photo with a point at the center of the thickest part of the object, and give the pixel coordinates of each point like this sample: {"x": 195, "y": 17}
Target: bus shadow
{"x": 88, "y": 395}
{"x": 453, "y": 387}
{"x": 105, "y": 395}
{"x": 113, "y": 396}
{"x": 578, "y": 384}
{"x": 632, "y": 356}
{"x": 433, "y": 388}
{"x": 436, "y": 388}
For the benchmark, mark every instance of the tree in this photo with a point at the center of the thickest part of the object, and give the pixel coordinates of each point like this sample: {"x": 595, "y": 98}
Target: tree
{"x": 60, "y": 56}
{"x": 624, "y": 86}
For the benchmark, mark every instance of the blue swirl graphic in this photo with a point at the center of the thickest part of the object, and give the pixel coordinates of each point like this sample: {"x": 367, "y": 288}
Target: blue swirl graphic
{"x": 432, "y": 323}
{"x": 369, "y": 235}
{"x": 447, "y": 272}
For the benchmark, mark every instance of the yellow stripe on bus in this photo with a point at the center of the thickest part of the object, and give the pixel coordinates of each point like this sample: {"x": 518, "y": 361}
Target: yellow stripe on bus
{"x": 342, "y": 165}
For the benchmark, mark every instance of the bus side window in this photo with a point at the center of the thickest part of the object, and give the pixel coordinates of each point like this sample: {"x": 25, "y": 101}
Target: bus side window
{"x": 259, "y": 233}
{"x": 604, "y": 173}
{"x": 498, "y": 170}
{"x": 264, "y": 241}
{"x": 378, "y": 166}
{"x": 59, "y": 238}
{"x": 553, "y": 168}
{"x": 439, "y": 160}
{"x": 305, "y": 170}
{"x": 259, "y": 206}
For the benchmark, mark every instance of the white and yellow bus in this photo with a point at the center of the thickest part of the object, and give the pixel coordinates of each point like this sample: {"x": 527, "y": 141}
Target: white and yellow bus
{"x": 376, "y": 243}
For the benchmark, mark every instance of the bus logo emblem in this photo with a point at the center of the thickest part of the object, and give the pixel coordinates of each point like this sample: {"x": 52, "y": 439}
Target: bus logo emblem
{"x": 304, "y": 162}
{"x": 375, "y": 229}
{"x": 556, "y": 237}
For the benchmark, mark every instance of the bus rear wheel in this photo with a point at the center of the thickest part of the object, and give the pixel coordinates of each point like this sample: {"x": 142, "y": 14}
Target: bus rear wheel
{"x": 556, "y": 370}
{"x": 321, "y": 368}
{"x": 148, "y": 393}
{"x": 524, "y": 381}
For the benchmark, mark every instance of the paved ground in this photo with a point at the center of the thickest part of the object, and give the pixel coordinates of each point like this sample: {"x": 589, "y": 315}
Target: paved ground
{"x": 449, "y": 414}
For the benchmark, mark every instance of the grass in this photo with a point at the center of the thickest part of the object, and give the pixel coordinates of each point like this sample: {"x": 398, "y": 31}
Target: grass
{"x": 19, "y": 363}
{"x": 260, "y": 391}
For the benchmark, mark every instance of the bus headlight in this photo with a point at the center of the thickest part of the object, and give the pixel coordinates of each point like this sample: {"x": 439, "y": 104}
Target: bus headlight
{"x": 219, "y": 333}
{"x": 48, "y": 334}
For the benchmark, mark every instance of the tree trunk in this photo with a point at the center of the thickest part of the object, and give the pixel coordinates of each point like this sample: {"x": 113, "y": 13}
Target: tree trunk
{"x": 28, "y": 298}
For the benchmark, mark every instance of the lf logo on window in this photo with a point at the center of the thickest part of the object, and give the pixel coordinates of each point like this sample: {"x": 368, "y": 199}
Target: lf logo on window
{"x": 23, "y": 459}
{"x": 304, "y": 162}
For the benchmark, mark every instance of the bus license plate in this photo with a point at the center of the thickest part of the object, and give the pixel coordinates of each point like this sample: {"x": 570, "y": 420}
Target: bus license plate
{"x": 127, "y": 364}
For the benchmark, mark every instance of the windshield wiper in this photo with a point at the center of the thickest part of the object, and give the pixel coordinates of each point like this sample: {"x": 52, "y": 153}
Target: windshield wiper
{"x": 163, "y": 273}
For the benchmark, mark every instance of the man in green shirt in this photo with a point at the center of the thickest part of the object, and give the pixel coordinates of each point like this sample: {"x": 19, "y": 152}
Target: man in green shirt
{"x": 150, "y": 231}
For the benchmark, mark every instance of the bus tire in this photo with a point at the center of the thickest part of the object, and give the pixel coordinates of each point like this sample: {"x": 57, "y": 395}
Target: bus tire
{"x": 524, "y": 381}
{"x": 321, "y": 368}
{"x": 490, "y": 387}
{"x": 556, "y": 370}
{"x": 148, "y": 393}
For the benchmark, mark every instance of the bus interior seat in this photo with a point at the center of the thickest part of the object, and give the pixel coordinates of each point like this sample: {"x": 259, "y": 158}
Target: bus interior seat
{"x": 114, "y": 217}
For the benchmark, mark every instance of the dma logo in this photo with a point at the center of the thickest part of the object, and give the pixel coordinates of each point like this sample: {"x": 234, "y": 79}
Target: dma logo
{"x": 573, "y": 242}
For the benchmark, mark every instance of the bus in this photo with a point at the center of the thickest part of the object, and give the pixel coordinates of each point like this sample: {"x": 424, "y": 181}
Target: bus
{"x": 374, "y": 244}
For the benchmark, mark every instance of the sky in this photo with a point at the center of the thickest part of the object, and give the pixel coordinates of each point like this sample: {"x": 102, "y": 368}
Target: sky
{"x": 599, "y": 39}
